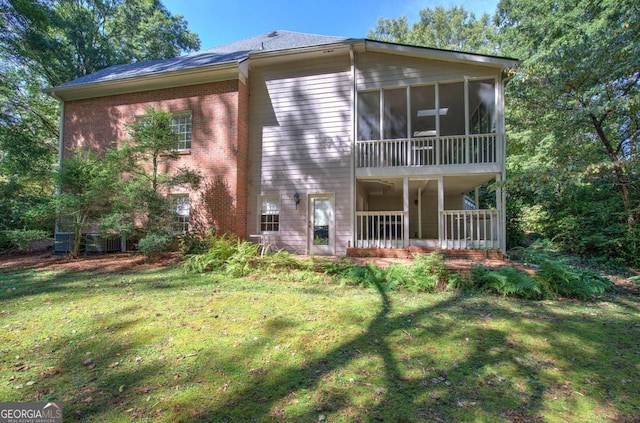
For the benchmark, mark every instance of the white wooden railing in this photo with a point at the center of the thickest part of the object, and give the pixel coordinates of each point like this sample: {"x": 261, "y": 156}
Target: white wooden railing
{"x": 383, "y": 229}
{"x": 470, "y": 229}
{"x": 450, "y": 150}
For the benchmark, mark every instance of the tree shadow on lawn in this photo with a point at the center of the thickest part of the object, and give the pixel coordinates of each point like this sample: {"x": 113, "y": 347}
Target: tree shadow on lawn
{"x": 441, "y": 394}
{"x": 25, "y": 283}
{"x": 441, "y": 391}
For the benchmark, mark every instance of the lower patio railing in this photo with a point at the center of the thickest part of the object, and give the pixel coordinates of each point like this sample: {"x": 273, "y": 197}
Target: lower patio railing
{"x": 460, "y": 229}
{"x": 470, "y": 229}
{"x": 380, "y": 229}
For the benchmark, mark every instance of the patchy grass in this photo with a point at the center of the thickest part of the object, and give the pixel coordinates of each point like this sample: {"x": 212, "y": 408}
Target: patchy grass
{"x": 163, "y": 345}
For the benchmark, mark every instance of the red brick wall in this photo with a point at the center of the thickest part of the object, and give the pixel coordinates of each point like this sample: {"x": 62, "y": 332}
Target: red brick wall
{"x": 218, "y": 145}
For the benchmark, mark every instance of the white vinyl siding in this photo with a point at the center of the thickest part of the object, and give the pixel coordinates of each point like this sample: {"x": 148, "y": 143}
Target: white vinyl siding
{"x": 300, "y": 141}
{"x": 378, "y": 70}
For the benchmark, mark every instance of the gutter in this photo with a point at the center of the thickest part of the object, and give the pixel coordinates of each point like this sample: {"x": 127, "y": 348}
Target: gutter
{"x": 146, "y": 82}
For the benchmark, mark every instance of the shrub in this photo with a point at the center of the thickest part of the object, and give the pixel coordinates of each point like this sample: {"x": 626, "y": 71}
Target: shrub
{"x": 155, "y": 242}
{"x": 568, "y": 281}
{"x": 20, "y": 239}
{"x": 195, "y": 241}
{"x": 507, "y": 281}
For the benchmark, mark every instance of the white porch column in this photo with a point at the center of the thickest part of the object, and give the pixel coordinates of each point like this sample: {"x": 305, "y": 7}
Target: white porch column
{"x": 502, "y": 215}
{"x": 440, "y": 210}
{"x": 405, "y": 207}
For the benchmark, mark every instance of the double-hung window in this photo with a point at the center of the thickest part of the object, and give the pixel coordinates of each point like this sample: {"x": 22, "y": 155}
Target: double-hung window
{"x": 181, "y": 128}
{"x": 269, "y": 214}
{"x": 181, "y": 212}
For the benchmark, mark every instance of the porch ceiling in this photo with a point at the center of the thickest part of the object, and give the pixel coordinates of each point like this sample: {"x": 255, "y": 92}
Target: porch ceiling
{"x": 452, "y": 184}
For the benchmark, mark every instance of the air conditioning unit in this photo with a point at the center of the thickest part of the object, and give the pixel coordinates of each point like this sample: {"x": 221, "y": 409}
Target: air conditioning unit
{"x": 98, "y": 244}
{"x": 63, "y": 243}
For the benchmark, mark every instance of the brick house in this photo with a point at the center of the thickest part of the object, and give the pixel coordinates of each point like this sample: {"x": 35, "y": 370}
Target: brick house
{"x": 319, "y": 144}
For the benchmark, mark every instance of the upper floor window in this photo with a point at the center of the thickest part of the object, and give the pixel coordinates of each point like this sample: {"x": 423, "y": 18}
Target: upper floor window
{"x": 181, "y": 127}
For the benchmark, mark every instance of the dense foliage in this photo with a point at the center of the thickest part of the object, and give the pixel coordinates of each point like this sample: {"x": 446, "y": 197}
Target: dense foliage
{"x": 551, "y": 275}
{"x": 452, "y": 29}
{"x": 573, "y": 115}
{"x": 46, "y": 43}
{"x": 574, "y": 121}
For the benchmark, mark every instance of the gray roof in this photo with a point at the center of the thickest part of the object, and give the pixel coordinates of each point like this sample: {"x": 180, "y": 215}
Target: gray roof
{"x": 233, "y": 52}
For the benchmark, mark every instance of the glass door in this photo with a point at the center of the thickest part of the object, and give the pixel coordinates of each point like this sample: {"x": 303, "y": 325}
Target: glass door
{"x": 321, "y": 224}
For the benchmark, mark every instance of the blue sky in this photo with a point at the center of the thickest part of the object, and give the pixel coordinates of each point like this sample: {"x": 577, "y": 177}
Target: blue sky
{"x": 221, "y": 21}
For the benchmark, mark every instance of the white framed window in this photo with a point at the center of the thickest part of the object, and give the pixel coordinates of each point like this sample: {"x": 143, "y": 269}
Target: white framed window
{"x": 181, "y": 212}
{"x": 269, "y": 214}
{"x": 181, "y": 127}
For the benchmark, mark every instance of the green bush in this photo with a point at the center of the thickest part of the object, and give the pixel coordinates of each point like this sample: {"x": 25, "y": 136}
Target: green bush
{"x": 195, "y": 241}
{"x": 155, "y": 242}
{"x": 20, "y": 240}
{"x": 562, "y": 279}
{"x": 227, "y": 253}
{"x": 507, "y": 281}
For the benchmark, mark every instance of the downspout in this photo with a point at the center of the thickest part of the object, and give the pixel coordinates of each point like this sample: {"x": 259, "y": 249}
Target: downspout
{"x": 352, "y": 57}
{"x": 60, "y": 152}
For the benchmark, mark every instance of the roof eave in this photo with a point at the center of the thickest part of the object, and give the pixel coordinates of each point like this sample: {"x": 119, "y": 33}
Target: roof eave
{"x": 168, "y": 79}
{"x": 319, "y": 48}
{"x": 439, "y": 54}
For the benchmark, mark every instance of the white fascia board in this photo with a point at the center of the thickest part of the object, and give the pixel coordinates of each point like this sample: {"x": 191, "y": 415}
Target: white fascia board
{"x": 160, "y": 80}
{"x": 438, "y": 54}
{"x": 309, "y": 51}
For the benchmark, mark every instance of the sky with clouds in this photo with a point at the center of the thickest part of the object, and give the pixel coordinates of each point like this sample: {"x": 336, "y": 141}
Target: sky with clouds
{"x": 221, "y": 21}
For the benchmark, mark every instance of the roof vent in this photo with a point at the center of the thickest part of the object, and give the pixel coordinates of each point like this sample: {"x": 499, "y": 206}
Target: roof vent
{"x": 272, "y": 34}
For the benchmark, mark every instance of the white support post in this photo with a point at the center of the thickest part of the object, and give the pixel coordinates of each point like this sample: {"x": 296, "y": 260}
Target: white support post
{"x": 467, "y": 130}
{"x": 441, "y": 222}
{"x": 405, "y": 194}
{"x": 502, "y": 221}
{"x": 437, "y": 139}
{"x": 420, "y": 212}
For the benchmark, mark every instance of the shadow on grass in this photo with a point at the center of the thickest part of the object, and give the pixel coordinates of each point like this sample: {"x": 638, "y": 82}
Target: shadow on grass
{"x": 586, "y": 344}
{"x": 402, "y": 399}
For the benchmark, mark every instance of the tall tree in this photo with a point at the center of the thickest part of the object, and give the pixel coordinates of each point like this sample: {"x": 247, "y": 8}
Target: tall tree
{"x": 49, "y": 42}
{"x": 146, "y": 158}
{"x": 67, "y": 39}
{"x": 577, "y": 95}
{"x": 453, "y": 29}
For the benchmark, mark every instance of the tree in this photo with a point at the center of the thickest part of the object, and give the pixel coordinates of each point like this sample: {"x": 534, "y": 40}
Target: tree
{"x": 452, "y": 29}
{"x": 149, "y": 178}
{"x": 575, "y": 103}
{"x": 67, "y": 39}
{"x": 88, "y": 186}
{"x": 28, "y": 135}
{"x": 48, "y": 42}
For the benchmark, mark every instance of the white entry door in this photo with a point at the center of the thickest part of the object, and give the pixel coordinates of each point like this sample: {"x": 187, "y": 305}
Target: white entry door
{"x": 321, "y": 236}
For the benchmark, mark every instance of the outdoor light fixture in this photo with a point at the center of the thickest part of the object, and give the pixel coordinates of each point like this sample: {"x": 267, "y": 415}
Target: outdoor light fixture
{"x": 296, "y": 198}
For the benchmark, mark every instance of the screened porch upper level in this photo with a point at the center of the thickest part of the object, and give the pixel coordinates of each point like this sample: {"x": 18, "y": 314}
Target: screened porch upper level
{"x": 410, "y": 129}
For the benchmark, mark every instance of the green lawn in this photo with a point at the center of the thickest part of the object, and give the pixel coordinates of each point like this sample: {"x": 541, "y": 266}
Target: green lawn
{"x": 162, "y": 345}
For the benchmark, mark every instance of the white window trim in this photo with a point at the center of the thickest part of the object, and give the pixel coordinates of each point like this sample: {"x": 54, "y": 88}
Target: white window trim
{"x": 179, "y": 140}
{"x": 177, "y": 221}
{"x": 277, "y": 201}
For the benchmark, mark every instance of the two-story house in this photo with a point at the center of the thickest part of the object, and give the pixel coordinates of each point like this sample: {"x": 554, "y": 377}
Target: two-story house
{"x": 319, "y": 144}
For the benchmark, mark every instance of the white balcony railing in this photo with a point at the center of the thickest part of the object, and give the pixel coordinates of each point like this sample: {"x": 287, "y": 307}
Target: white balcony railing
{"x": 380, "y": 229}
{"x": 470, "y": 229}
{"x": 450, "y": 150}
